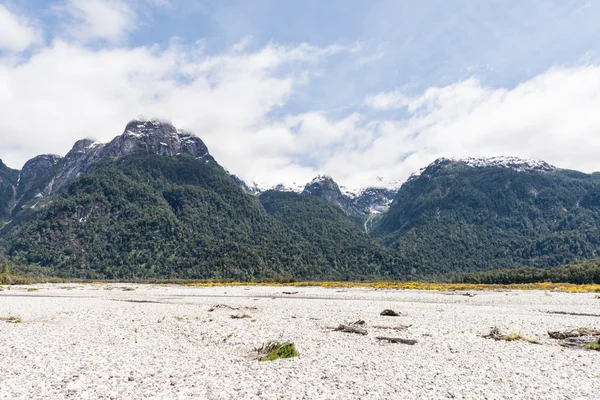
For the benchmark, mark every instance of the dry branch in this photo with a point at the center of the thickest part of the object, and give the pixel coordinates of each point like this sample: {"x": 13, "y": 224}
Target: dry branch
{"x": 227, "y": 307}
{"x": 397, "y": 340}
{"x": 395, "y": 328}
{"x": 574, "y": 333}
{"x": 349, "y": 329}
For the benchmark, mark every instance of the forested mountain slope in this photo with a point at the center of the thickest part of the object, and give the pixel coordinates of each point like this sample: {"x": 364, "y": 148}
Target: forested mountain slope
{"x": 465, "y": 215}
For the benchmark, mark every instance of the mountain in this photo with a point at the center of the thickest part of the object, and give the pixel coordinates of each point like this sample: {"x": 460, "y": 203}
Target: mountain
{"x": 8, "y": 187}
{"x": 324, "y": 187}
{"x": 343, "y": 242}
{"x": 355, "y": 203}
{"x": 481, "y": 214}
{"x": 154, "y": 203}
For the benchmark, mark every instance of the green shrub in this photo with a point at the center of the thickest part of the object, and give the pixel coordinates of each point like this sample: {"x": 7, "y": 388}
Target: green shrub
{"x": 276, "y": 350}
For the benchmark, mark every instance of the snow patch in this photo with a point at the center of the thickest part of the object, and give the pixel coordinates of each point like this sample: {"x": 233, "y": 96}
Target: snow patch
{"x": 515, "y": 163}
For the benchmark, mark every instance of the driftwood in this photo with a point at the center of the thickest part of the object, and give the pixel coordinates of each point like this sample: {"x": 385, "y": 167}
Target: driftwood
{"x": 579, "y": 342}
{"x": 350, "y": 329}
{"x": 390, "y": 313}
{"x": 359, "y": 322}
{"x": 225, "y": 306}
{"x": 238, "y": 316}
{"x": 395, "y": 328}
{"x": 574, "y": 333}
{"x": 573, "y": 313}
{"x": 495, "y": 334}
{"x": 467, "y": 294}
{"x": 397, "y": 340}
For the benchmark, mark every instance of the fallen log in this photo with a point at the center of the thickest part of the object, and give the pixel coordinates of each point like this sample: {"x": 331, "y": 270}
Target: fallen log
{"x": 395, "y": 328}
{"x": 573, "y": 313}
{"x": 410, "y": 342}
{"x": 574, "y": 333}
{"x": 350, "y": 329}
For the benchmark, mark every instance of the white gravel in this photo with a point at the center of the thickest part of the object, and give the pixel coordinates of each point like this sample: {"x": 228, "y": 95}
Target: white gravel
{"x": 162, "y": 342}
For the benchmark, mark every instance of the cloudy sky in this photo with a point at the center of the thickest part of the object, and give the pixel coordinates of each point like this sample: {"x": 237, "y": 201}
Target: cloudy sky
{"x": 283, "y": 90}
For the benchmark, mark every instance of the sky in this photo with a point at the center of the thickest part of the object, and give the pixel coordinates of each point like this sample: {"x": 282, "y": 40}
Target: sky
{"x": 281, "y": 91}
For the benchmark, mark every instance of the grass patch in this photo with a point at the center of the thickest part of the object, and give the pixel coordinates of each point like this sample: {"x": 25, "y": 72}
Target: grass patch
{"x": 593, "y": 346}
{"x": 510, "y": 337}
{"x": 275, "y": 350}
{"x": 514, "y": 336}
{"x": 11, "y": 319}
{"x": 33, "y": 289}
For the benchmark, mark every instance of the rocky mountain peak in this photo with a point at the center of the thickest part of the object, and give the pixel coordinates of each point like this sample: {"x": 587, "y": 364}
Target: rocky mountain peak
{"x": 151, "y": 136}
{"x": 324, "y": 186}
{"x": 155, "y": 137}
{"x": 37, "y": 169}
{"x": 149, "y": 127}
{"x": 84, "y": 146}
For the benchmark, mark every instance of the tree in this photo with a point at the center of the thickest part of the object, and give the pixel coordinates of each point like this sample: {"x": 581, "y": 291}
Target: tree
{"x": 5, "y": 269}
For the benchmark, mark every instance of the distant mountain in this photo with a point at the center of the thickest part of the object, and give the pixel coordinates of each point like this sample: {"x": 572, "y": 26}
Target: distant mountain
{"x": 482, "y": 214}
{"x": 328, "y": 227}
{"x": 154, "y": 203}
{"x": 357, "y": 204}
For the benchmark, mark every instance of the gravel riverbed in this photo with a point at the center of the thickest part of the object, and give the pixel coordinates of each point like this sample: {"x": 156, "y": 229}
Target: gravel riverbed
{"x": 116, "y": 341}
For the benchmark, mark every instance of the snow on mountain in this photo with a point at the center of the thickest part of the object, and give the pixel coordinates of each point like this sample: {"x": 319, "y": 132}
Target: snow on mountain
{"x": 515, "y": 163}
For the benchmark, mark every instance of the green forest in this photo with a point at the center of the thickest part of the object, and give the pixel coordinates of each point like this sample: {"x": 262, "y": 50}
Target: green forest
{"x": 587, "y": 271}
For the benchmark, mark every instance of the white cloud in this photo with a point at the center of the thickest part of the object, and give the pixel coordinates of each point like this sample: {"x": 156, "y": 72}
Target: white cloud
{"x": 234, "y": 101}
{"x": 16, "y": 33}
{"x": 109, "y": 20}
{"x": 67, "y": 91}
{"x": 552, "y": 117}
{"x": 387, "y": 100}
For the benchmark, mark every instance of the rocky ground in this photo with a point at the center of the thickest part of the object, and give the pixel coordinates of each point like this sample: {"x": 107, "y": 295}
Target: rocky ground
{"x": 164, "y": 342}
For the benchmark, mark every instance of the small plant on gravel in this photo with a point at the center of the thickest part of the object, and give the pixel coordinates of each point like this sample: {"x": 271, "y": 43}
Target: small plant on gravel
{"x": 275, "y": 350}
{"x": 11, "y": 319}
{"x": 514, "y": 336}
{"x": 593, "y": 346}
{"x": 510, "y": 337}
{"x": 32, "y": 289}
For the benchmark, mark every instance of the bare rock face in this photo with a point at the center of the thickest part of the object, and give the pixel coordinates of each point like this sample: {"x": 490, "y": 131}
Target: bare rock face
{"x": 155, "y": 137}
{"x": 8, "y": 189}
{"x": 78, "y": 161}
{"x": 374, "y": 200}
{"x": 152, "y": 137}
{"x": 325, "y": 187}
{"x": 36, "y": 170}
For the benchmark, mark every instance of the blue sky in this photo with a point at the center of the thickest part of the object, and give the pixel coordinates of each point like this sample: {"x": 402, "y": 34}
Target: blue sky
{"x": 283, "y": 90}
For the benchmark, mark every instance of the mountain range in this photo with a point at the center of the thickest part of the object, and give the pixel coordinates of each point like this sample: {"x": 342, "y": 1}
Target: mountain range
{"x": 153, "y": 203}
